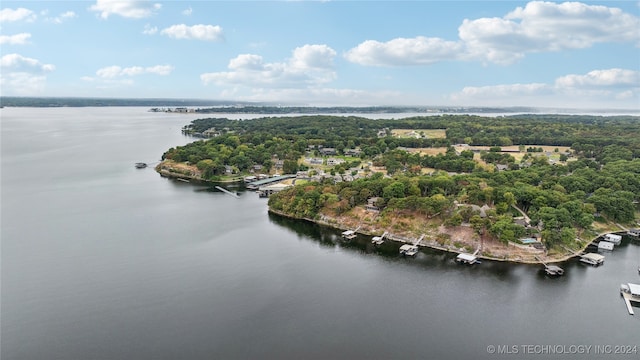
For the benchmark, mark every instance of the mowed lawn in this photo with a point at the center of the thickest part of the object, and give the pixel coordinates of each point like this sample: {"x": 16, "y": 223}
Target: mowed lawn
{"x": 420, "y": 133}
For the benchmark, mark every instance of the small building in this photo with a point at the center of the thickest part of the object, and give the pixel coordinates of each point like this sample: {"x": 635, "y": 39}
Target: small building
{"x": 372, "y": 204}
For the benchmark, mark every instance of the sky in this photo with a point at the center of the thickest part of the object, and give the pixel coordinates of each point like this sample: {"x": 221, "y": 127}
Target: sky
{"x": 581, "y": 55}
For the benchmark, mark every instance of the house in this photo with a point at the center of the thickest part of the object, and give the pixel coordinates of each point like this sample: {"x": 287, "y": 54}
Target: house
{"x": 228, "y": 170}
{"x": 328, "y": 151}
{"x": 372, "y": 204}
{"x": 502, "y": 167}
{"x": 279, "y": 164}
{"x": 352, "y": 152}
{"x": 256, "y": 168}
{"x": 334, "y": 161}
{"x": 211, "y": 132}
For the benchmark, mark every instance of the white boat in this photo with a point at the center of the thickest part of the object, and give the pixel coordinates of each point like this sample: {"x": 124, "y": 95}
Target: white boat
{"x": 592, "y": 259}
{"x": 605, "y": 245}
{"x": 613, "y": 238}
{"x": 408, "y": 250}
{"x": 141, "y": 165}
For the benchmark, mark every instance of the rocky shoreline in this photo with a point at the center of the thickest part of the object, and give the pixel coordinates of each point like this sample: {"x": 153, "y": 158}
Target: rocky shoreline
{"x": 429, "y": 242}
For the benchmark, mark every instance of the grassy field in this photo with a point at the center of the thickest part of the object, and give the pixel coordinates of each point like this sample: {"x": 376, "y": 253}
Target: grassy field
{"x": 420, "y": 133}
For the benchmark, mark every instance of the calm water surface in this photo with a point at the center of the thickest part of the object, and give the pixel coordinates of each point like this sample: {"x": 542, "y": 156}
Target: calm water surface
{"x": 104, "y": 261}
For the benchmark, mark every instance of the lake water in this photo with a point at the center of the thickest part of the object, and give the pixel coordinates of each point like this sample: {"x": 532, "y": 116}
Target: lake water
{"x": 104, "y": 261}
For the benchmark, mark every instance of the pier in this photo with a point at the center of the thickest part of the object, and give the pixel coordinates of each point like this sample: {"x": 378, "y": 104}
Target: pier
{"x": 470, "y": 259}
{"x": 552, "y": 270}
{"x": 378, "y": 240}
{"x": 227, "y": 192}
{"x": 630, "y": 292}
{"x": 411, "y": 250}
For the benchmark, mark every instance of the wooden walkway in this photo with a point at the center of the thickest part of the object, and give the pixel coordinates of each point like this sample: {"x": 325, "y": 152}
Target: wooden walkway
{"x": 227, "y": 192}
{"x": 627, "y": 301}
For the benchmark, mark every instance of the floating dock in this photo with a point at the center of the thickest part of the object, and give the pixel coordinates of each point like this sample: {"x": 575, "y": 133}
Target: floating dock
{"x": 605, "y": 246}
{"x": 227, "y": 192}
{"x": 552, "y": 270}
{"x": 592, "y": 259}
{"x": 379, "y": 240}
{"x": 613, "y": 238}
{"x": 408, "y": 250}
{"x": 349, "y": 234}
{"x": 465, "y": 258}
{"x": 630, "y": 292}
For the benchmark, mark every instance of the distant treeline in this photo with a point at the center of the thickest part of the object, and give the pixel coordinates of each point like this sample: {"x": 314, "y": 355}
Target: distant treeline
{"x": 584, "y": 133}
{"x": 354, "y": 110}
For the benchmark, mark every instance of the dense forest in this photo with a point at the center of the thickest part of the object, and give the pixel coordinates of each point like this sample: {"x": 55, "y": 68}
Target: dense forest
{"x": 598, "y": 180}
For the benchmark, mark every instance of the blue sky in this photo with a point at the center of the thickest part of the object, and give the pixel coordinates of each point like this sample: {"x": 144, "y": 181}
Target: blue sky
{"x": 456, "y": 53}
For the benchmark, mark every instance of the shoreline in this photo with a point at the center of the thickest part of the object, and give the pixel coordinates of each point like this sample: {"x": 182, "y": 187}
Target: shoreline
{"x": 435, "y": 246}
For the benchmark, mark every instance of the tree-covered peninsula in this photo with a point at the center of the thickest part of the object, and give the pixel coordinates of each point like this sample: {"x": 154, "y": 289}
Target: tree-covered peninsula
{"x": 463, "y": 181}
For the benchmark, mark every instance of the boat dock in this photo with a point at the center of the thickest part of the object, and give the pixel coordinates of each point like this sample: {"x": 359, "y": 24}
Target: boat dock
{"x": 469, "y": 259}
{"x": 378, "y": 240}
{"x": 592, "y": 259}
{"x": 552, "y": 270}
{"x": 255, "y": 185}
{"x": 411, "y": 250}
{"x": 630, "y": 292}
{"x": 350, "y": 234}
{"x": 227, "y": 191}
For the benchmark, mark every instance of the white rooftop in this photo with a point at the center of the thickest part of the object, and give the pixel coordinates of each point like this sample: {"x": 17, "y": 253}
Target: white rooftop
{"x": 635, "y": 289}
{"x": 466, "y": 257}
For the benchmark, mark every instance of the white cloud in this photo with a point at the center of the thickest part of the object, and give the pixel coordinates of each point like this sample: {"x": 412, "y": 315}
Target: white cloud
{"x": 546, "y": 26}
{"x": 135, "y": 9}
{"x": 404, "y": 51}
{"x": 117, "y": 71}
{"x": 9, "y": 15}
{"x": 17, "y": 39}
{"x": 22, "y": 75}
{"x": 197, "y": 32}
{"x": 614, "y": 78}
{"x": 62, "y": 17}
{"x": 19, "y": 63}
{"x": 609, "y": 87}
{"x": 149, "y": 30}
{"x": 187, "y": 12}
{"x": 310, "y": 66}
{"x": 537, "y": 27}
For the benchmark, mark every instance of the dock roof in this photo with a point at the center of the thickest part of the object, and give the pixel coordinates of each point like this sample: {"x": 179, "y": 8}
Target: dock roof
{"x": 635, "y": 289}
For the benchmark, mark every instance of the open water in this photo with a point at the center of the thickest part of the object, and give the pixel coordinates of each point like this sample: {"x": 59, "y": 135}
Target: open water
{"x": 100, "y": 260}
